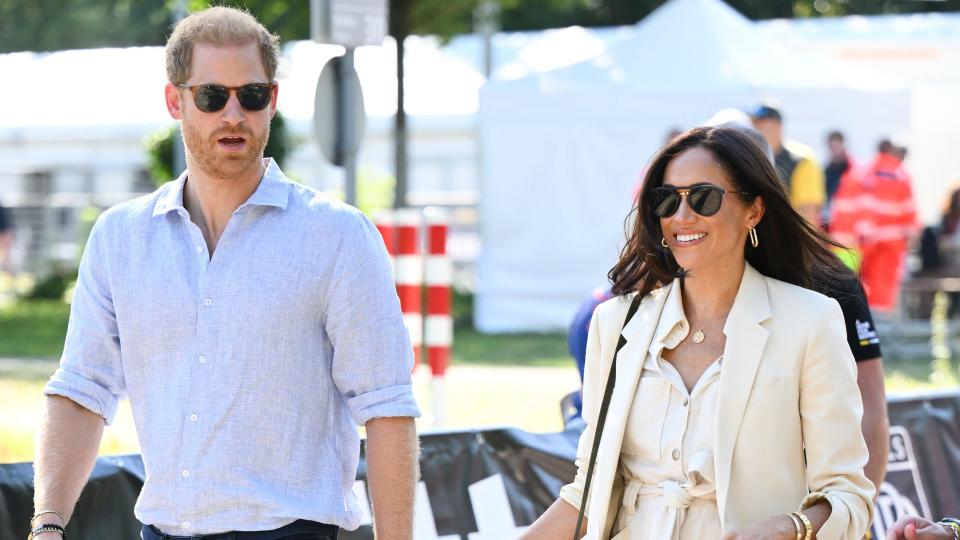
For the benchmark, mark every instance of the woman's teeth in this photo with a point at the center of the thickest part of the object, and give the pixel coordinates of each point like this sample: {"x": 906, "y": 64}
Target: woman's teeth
{"x": 689, "y": 237}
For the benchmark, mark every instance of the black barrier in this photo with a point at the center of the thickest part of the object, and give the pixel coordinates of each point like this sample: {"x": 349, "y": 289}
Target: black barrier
{"x": 490, "y": 484}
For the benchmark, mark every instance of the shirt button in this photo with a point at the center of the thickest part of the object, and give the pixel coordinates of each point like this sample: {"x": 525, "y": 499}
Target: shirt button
{"x": 202, "y": 359}
{"x": 199, "y": 248}
{"x": 193, "y": 417}
{"x": 186, "y": 525}
{"x": 685, "y": 402}
{"x": 675, "y": 455}
{"x": 186, "y": 473}
{"x": 207, "y": 301}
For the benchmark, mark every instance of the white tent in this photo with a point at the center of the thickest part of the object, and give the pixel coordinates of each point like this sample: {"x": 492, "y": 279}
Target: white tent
{"x": 562, "y": 149}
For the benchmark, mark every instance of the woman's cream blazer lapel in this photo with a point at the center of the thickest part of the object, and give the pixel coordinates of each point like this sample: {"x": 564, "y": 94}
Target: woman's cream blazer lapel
{"x": 746, "y": 339}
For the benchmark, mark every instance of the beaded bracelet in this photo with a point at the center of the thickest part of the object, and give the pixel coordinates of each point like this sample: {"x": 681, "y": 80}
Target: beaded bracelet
{"x": 48, "y": 527}
{"x": 953, "y": 525}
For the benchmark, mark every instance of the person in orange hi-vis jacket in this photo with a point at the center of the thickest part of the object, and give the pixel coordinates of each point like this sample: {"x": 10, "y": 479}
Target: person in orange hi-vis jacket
{"x": 874, "y": 212}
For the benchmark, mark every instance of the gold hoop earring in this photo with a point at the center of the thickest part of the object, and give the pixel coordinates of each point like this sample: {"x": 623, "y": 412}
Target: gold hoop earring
{"x": 663, "y": 242}
{"x": 754, "y": 240}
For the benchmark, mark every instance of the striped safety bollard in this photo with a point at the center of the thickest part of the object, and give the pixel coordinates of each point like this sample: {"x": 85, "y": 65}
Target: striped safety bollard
{"x": 386, "y": 225}
{"x": 409, "y": 275}
{"x": 438, "y": 327}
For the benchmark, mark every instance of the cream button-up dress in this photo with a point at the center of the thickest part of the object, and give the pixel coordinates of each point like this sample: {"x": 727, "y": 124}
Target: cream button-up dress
{"x": 666, "y": 458}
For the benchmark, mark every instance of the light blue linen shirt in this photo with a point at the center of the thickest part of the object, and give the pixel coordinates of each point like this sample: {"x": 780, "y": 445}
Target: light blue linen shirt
{"x": 248, "y": 370}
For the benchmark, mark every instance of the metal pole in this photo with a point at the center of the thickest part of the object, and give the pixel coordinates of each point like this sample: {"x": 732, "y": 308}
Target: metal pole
{"x": 348, "y": 128}
{"x": 486, "y": 23}
{"x": 320, "y": 20}
{"x": 401, "y": 13}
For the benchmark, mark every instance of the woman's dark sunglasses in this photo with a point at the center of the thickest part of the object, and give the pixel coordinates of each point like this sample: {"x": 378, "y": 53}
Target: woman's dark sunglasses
{"x": 213, "y": 97}
{"x": 704, "y": 199}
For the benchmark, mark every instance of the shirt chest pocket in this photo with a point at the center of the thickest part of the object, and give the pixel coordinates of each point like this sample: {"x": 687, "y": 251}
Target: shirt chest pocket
{"x": 648, "y": 413}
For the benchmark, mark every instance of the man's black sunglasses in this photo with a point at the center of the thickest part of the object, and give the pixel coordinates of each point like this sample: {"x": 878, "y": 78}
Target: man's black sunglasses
{"x": 704, "y": 199}
{"x": 213, "y": 97}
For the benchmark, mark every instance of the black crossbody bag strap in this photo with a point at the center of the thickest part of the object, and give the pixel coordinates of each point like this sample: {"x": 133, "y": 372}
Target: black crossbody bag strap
{"x": 602, "y": 419}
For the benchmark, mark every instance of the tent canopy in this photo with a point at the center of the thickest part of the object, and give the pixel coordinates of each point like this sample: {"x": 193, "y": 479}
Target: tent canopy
{"x": 563, "y": 149}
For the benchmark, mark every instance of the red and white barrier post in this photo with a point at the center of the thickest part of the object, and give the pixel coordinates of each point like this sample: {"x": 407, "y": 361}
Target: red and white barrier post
{"x": 438, "y": 327}
{"x": 386, "y": 225}
{"x": 409, "y": 275}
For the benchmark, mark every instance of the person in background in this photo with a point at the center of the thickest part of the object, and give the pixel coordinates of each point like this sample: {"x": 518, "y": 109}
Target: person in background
{"x": 795, "y": 164}
{"x": 6, "y": 240}
{"x": 918, "y": 528}
{"x": 939, "y": 251}
{"x": 840, "y": 162}
{"x": 874, "y": 212}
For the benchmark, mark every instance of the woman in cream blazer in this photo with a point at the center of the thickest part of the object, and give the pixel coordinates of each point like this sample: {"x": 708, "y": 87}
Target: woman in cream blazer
{"x": 762, "y": 378}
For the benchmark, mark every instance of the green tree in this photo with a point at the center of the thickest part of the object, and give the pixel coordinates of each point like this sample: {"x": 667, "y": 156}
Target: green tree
{"x": 46, "y": 25}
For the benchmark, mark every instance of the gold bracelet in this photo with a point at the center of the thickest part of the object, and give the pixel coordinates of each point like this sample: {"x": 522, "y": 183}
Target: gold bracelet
{"x": 42, "y": 512}
{"x": 806, "y": 523}
{"x": 797, "y": 525}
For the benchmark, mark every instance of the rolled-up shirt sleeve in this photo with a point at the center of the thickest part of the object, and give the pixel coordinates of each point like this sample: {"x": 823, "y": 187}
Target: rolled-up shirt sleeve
{"x": 372, "y": 355}
{"x": 91, "y": 371}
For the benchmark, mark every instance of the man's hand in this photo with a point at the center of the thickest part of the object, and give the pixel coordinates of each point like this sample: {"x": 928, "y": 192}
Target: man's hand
{"x": 782, "y": 527}
{"x": 917, "y": 528}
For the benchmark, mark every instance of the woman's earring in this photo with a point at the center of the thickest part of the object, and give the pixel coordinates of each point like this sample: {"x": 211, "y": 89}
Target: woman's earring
{"x": 663, "y": 242}
{"x": 754, "y": 241}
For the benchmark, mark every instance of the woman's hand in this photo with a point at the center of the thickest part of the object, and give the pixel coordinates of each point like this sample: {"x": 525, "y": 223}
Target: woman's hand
{"x": 777, "y": 527}
{"x": 917, "y": 528}
{"x": 782, "y": 527}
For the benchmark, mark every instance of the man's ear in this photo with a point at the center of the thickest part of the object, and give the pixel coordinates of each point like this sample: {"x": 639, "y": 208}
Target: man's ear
{"x": 174, "y": 104}
{"x": 275, "y": 91}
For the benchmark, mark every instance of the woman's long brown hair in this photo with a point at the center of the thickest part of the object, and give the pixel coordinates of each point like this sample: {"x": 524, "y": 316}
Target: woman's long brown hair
{"x": 790, "y": 249}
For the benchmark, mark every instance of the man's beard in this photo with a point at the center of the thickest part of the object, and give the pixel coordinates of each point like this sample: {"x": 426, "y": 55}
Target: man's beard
{"x": 209, "y": 158}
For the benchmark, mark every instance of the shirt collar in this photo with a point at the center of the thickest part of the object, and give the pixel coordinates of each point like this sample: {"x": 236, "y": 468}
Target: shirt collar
{"x": 273, "y": 190}
{"x": 673, "y": 327}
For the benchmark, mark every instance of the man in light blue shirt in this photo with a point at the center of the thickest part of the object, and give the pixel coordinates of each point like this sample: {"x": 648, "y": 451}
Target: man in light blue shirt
{"x": 252, "y": 323}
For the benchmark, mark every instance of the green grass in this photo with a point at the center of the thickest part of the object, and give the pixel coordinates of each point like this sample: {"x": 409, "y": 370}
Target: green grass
{"x": 33, "y": 328}
{"x": 527, "y": 349}
{"x": 534, "y": 350}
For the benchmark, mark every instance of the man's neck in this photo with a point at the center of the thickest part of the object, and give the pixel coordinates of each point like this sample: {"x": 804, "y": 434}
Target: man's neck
{"x": 211, "y": 201}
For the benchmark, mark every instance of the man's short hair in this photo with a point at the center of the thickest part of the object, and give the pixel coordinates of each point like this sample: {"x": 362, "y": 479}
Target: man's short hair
{"x": 835, "y": 136}
{"x": 765, "y": 111}
{"x": 218, "y": 26}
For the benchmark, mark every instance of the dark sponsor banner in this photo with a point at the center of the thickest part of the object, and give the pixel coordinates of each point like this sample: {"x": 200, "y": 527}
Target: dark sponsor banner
{"x": 491, "y": 484}
{"x": 923, "y": 471}
{"x": 104, "y": 511}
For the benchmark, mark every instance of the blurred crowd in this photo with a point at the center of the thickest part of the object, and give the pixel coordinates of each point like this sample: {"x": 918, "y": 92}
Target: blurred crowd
{"x": 867, "y": 206}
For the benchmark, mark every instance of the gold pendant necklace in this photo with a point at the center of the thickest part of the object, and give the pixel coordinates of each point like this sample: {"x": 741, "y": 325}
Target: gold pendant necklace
{"x": 698, "y": 336}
